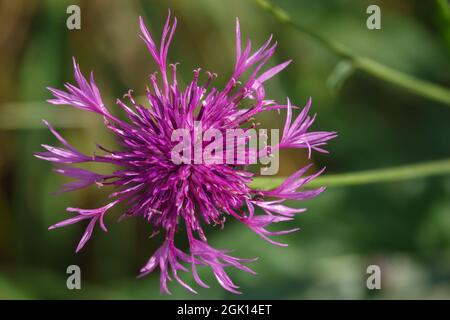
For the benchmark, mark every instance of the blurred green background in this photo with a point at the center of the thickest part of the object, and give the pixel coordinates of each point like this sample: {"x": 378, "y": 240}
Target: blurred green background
{"x": 404, "y": 227}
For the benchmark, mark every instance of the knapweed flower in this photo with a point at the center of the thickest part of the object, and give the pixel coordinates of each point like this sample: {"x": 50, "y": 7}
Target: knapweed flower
{"x": 184, "y": 196}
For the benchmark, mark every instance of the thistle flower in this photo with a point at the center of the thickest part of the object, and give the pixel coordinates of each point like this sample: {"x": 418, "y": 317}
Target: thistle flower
{"x": 172, "y": 196}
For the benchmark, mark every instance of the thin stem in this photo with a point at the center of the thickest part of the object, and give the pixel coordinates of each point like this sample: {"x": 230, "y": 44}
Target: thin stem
{"x": 407, "y": 172}
{"x": 408, "y": 82}
{"x": 28, "y": 115}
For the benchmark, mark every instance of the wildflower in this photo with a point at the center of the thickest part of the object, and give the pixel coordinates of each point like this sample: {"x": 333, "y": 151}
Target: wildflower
{"x": 170, "y": 195}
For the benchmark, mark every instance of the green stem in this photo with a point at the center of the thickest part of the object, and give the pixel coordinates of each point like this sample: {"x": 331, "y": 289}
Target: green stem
{"x": 407, "y": 172}
{"x": 408, "y": 82}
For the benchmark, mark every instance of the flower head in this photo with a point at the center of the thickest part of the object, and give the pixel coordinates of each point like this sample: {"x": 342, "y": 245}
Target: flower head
{"x": 169, "y": 194}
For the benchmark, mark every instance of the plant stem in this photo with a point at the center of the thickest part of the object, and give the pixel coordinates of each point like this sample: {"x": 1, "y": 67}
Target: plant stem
{"x": 403, "y": 80}
{"x": 407, "y": 172}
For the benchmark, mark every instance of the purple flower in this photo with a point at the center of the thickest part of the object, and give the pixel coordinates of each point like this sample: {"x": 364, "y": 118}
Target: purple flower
{"x": 174, "y": 196}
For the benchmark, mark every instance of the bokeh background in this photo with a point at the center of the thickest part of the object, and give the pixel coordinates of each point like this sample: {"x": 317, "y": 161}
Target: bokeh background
{"x": 404, "y": 227}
